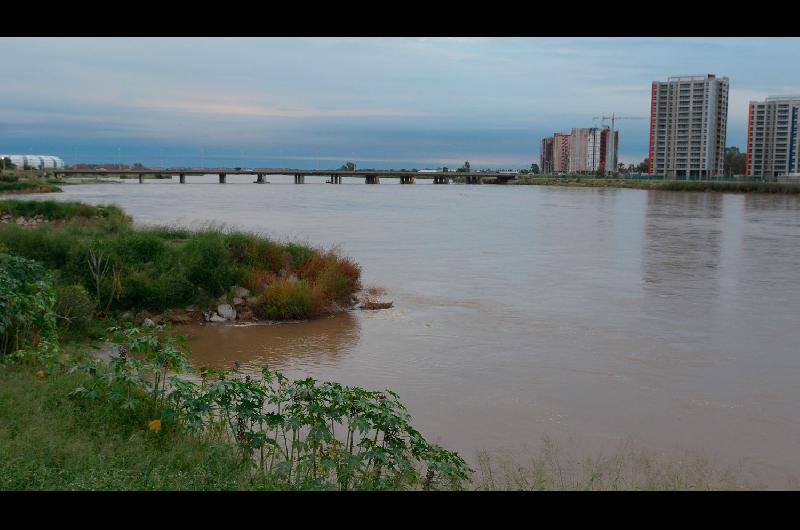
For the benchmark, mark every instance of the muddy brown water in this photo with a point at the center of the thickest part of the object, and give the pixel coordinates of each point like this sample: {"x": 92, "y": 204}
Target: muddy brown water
{"x": 593, "y": 315}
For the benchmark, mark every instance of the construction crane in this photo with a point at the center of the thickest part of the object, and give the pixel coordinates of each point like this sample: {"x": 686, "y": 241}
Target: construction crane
{"x": 614, "y": 117}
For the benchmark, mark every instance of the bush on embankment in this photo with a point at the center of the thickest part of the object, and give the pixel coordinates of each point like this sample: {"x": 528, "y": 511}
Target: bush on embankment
{"x": 95, "y": 250}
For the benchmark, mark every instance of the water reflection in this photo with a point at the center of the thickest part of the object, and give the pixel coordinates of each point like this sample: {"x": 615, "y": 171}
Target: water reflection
{"x": 682, "y": 243}
{"x": 321, "y": 341}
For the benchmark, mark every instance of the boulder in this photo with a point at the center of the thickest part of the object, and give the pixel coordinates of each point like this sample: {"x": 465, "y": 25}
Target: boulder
{"x": 215, "y": 318}
{"x": 226, "y": 311}
{"x": 240, "y": 292}
{"x": 238, "y": 301}
{"x": 148, "y": 323}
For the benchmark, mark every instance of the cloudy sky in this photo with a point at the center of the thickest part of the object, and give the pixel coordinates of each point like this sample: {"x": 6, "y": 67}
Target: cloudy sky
{"x": 381, "y": 102}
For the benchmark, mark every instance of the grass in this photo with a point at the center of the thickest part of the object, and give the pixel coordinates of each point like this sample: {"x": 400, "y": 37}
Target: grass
{"x": 551, "y": 467}
{"x": 48, "y": 442}
{"x": 127, "y": 268}
{"x": 670, "y": 185}
{"x": 27, "y": 187}
{"x": 56, "y": 210}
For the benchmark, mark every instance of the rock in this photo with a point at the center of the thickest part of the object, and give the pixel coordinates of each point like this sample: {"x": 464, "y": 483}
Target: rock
{"x": 292, "y": 278}
{"x": 226, "y": 312}
{"x": 20, "y": 220}
{"x": 147, "y": 322}
{"x": 240, "y": 292}
{"x": 177, "y": 317}
{"x": 222, "y": 299}
{"x": 238, "y": 301}
{"x": 126, "y": 316}
{"x": 252, "y": 300}
{"x": 190, "y": 309}
{"x": 215, "y": 318}
{"x": 246, "y": 314}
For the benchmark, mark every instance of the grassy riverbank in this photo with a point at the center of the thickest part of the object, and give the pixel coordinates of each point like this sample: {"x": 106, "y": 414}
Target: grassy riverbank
{"x": 104, "y": 266}
{"x": 27, "y": 186}
{"x": 50, "y": 442}
{"x": 670, "y": 185}
{"x": 142, "y": 420}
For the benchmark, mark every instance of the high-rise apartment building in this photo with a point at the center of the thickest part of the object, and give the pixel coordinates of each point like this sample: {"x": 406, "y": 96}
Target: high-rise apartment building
{"x": 773, "y": 141}
{"x": 688, "y": 122}
{"x": 593, "y": 149}
{"x": 560, "y": 152}
{"x": 546, "y": 156}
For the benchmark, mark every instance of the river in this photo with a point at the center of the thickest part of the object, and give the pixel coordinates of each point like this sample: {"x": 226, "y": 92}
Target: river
{"x": 591, "y": 314}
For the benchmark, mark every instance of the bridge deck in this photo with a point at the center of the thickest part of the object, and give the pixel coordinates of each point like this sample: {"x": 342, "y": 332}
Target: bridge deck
{"x": 283, "y": 171}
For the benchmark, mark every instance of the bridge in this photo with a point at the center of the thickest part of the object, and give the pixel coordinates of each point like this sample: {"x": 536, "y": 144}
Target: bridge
{"x": 334, "y": 176}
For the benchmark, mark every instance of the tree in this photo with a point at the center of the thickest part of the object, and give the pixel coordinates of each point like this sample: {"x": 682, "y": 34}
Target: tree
{"x": 464, "y": 168}
{"x": 348, "y": 167}
{"x": 620, "y": 168}
{"x": 535, "y": 169}
{"x": 734, "y": 162}
{"x": 644, "y": 166}
{"x": 8, "y": 164}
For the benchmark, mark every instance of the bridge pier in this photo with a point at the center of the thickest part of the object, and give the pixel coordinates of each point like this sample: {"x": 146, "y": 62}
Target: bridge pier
{"x": 474, "y": 179}
{"x": 337, "y": 179}
{"x": 183, "y": 178}
{"x": 372, "y": 179}
{"x": 299, "y": 179}
{"x": 407, "y": 179}
{"x": 222, "y": 178}
{"x": 260, "y": 178}
{"x": 441, "y": 180}
{"x": 141, "y": 178}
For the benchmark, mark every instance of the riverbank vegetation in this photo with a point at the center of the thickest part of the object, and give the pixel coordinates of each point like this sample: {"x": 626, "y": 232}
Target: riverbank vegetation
{"x": 669, "y": 185}
{"x": 106, "y": 267}
{"x": 145, "y": 419}
{"x": 27, "y": 186}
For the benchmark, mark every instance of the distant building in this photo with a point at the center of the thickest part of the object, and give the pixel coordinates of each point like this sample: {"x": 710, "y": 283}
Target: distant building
{"x": 546, "y": 155}
{"x": 560, "y": 152}
{"x": 773, "y": 141}
{"x": 593, "y": 149}
{"x": 688, "y": 121}
{"x": 583, "y": 151}
{"x": 35, "y": 161}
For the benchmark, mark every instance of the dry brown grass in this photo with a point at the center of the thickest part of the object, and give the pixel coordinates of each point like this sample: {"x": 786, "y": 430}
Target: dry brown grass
{"x": 629, "y": 468}
{"x": 258, "y": 280}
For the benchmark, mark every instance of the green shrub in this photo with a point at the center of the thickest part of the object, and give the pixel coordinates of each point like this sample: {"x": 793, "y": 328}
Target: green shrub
{"x": 208, "y": 263}
{"x": 27, "y": 301}
{"x": 75, "y": 308}
{"x": 139, "y": 246}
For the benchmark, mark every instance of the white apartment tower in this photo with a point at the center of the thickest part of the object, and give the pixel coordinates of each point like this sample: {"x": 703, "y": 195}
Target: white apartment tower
{"x": 688, "y": 122}
{"x": 772, "y": 138}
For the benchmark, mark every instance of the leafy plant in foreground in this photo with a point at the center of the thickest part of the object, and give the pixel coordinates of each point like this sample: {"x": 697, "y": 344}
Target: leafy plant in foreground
{"x": 301, "y": 434}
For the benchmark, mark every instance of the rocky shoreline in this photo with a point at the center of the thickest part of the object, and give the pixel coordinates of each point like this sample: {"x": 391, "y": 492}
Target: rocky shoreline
{"x": 238, "y": 306}
{"x": 36, "y": 220}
